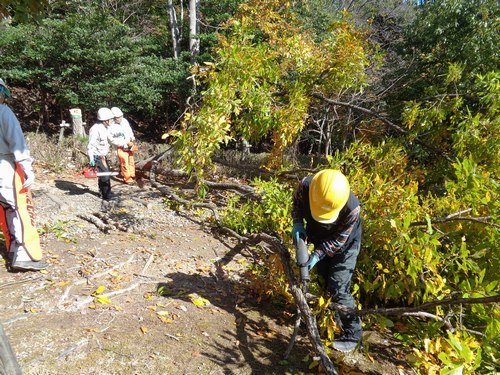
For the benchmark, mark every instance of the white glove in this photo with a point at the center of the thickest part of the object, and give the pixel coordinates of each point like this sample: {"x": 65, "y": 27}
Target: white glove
{"x": 30, "y": 178}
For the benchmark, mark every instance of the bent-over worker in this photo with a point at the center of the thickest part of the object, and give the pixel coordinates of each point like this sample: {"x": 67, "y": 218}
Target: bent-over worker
{"x": 331, "y": 213}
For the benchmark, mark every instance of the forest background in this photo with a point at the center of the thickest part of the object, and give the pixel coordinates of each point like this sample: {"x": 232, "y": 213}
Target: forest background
{"x": 401, "y": 96}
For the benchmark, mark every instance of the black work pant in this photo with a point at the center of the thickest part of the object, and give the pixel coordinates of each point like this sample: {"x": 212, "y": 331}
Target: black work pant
{"x": 104, "y": 182}
{"x": 337, "y": 273}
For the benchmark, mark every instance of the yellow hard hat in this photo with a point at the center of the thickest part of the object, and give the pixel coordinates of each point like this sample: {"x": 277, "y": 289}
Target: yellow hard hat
{"x": 328, "y": 194}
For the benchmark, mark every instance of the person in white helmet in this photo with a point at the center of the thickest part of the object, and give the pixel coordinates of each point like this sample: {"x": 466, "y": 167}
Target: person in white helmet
{"x": 122, "y": 136}
{"x": 98, "y": 149}
{"x": 16, "y": 203}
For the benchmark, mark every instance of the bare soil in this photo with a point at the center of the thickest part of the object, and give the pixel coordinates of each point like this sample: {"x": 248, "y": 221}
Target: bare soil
{"x": 97, "y": 310}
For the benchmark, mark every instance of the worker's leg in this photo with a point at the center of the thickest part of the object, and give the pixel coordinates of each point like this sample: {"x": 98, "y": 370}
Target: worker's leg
{"x": 123, "y": 159}
{"x": 341, "y": 269}
{"x": 104, "y": 182}
{"x": 21, "y": 237}
{"x": 131, "y": 165}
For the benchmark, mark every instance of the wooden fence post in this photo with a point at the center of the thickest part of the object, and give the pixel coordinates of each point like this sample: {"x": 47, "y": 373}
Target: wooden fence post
{"x": 76, "y": 120}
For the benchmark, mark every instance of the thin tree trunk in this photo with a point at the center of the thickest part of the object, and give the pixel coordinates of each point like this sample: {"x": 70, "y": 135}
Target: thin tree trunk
{"x": 194, "y": 42}
{"x": 174, "y": 29}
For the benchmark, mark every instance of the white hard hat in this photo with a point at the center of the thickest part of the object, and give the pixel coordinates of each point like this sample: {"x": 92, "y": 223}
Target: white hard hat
{"x": 104, "y": 114}
{"x": 117, "y": 112}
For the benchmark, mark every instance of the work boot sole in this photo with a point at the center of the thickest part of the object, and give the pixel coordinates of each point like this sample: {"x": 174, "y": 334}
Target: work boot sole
{"x": 28, "y": 266}
{"x": 347, "y": 346}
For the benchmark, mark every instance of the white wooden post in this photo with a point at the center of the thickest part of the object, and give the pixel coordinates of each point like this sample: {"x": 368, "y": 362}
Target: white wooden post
{"x": 76, "y": 120}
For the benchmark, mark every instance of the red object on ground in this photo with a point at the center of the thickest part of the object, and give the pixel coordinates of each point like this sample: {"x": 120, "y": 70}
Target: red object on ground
{"x": 89, "y": 172}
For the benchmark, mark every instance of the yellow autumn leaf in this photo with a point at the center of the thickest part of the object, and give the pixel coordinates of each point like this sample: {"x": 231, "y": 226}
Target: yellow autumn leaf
{"x": 102, "y": 299}
{"x": 321, "y": 301}
{"x": 199, "y": 301}
{"x": 165, "y": 320}
{"x": 144, "y": 330}
{"x": 99, "y": 290}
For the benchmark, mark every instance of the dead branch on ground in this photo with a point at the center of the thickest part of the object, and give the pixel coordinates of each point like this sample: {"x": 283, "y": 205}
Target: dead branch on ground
{"x": 79, "y": 305}
{"x": 145, "y": 165}
{"x": 65, "y": 295}
{"x": 97, "y": 222}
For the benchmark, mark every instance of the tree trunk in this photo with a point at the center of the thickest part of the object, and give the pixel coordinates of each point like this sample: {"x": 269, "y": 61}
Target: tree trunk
{"x": 174, "y": 29}
{"x": 194, "y": 42}
{"x": 76, "y": 122}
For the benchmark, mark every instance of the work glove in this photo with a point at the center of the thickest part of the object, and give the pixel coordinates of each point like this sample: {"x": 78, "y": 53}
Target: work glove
{"x": 298, "y": 231}
{"x": 311, "y": 262}
{"x": 30, "y": 178}
{"x": 92, "y": 162}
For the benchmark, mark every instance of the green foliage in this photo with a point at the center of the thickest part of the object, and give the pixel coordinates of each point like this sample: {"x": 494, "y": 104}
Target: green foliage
{"x": 262, "y": 81}
{"x": 271, "y": 214}
{"x": 454, "y": 31}
{"x": 60, "y": 229}
{"x": 22, "y": 10}
{"x": 91, "y": 60}
{"x": 410, "y": 254}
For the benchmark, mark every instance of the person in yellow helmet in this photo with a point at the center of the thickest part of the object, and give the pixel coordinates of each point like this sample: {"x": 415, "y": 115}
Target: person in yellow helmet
{"x": 331, "y": 214}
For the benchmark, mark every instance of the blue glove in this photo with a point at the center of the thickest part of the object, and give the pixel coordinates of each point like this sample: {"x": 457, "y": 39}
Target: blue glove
{"x": 298, "y": 230}
{"x": 313, "y": 259}
{"x": 92, "y": 163}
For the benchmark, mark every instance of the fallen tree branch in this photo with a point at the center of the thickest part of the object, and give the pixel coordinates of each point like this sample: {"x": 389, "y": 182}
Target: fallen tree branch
{"x": 145, "y": 165}
{"x": 110, "y": 222}
{"x": 482, "y": 220}
{"x": 168, "y": 193}
{"x": 400, "y": 311}
{"x": 245, "y": 189}
{"x": 133, "y": 286}
{"x": 62, "y": 299}
{"x": 300, "y": 300}
{"x": 26, "y": 280}
{"x": 96, "y": 221}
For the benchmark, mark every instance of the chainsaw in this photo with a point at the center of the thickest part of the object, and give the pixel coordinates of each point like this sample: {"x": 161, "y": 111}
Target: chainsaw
{"x": 91, "y": 172}
{"x": 302, "y": 256}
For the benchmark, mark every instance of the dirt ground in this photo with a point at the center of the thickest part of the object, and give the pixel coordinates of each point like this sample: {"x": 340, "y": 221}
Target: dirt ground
{"x": 151, "y": 292}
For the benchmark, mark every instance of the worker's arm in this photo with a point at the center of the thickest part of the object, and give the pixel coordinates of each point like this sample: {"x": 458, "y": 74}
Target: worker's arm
{"x": 17, "y": 145}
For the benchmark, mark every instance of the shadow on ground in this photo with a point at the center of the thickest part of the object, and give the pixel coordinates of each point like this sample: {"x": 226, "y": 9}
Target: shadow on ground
{"x": 259, "y": 342}
{"x": 73, "y": 188}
